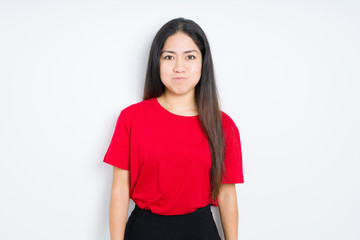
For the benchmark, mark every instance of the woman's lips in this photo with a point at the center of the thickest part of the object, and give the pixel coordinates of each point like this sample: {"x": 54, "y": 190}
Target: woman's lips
{"x": 179, "y": 78}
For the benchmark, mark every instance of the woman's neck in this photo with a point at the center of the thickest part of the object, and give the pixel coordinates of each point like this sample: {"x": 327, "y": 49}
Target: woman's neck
{"x": 179, "y": 104}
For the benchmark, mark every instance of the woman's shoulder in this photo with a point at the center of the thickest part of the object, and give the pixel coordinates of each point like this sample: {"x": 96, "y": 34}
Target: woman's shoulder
{"x": 226, "y": 118}
{"x": 227, "y": 122}
{"x": 135, "y": 108}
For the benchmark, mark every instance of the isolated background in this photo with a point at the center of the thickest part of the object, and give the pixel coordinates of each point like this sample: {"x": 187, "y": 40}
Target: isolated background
{"x": 287, "y": 73}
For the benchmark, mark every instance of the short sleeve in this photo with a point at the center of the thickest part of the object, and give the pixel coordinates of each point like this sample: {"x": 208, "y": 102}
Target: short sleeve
{"x": 118, "y": 152}
{"x": 232, "y": 155}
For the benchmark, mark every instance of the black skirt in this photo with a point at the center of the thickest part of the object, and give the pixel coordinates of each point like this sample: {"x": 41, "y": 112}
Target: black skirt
{"x": 145, "y": 225}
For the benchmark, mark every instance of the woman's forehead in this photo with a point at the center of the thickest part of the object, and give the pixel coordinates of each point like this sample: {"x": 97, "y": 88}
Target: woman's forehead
{"x": 180, "y": 43}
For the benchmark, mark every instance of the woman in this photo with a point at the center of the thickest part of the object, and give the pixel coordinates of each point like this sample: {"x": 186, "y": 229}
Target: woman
{"x": 175, "y": 153}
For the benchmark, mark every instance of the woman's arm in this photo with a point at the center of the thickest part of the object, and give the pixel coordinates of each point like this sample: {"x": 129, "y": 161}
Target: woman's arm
{"x": 228, "y": 211}
{"x": 119, "y": 203}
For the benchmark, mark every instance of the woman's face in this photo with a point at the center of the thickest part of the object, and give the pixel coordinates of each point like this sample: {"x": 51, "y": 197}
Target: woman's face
{"x": 180, "y": 65}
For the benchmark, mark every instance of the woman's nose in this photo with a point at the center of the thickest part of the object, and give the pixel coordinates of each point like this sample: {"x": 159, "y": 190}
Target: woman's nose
{"x": 179, "y": 65}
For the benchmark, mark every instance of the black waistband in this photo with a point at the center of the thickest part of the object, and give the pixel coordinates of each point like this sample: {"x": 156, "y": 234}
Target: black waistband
{"x": 197, "y": 215}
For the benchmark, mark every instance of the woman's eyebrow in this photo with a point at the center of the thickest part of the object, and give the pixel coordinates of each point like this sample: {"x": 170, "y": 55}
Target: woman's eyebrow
{"x": 168, "y": 51}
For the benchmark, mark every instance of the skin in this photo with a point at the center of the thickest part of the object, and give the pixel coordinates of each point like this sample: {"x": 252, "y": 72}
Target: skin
{"x": 119, "y": 203}
{"x": 180, "y": 58}
{"x": 228, "y": 209}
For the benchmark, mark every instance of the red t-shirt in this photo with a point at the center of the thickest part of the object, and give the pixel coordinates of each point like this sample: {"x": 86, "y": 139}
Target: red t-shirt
{"x": 169, "y": 158}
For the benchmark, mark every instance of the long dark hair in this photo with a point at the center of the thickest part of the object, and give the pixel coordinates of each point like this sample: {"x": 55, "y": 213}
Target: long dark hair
{"x": 206, "y": 95}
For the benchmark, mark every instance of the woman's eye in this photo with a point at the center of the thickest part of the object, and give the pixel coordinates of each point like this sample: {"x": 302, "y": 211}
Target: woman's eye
{"x": 190, "y": 57}
{"x": 168, "y": 57}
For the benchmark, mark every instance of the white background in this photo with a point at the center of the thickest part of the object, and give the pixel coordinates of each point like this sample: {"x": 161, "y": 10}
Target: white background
{"x": 287, "y": 73}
